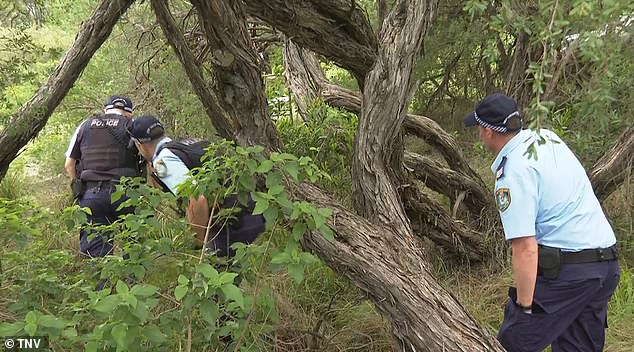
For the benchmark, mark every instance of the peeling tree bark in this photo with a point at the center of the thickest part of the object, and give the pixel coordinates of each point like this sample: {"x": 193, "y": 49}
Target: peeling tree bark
{"x": 29, "y": 120}
{"x": 614, "y": 166}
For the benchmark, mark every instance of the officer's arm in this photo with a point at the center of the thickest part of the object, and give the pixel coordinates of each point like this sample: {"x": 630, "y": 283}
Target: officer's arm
{"x": 525, "y": 268}
{"x": 69, "y": 165}
{"x": 198, "y": 215}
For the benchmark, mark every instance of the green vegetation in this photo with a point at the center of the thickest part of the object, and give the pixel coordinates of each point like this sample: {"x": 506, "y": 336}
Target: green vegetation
{"x": 274, "y": 296}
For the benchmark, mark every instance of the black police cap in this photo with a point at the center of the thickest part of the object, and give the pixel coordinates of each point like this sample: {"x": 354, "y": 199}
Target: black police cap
{"x": 497, "y": 112}
{"x": 146, "y": 128}
{"x": 118, "y": 102}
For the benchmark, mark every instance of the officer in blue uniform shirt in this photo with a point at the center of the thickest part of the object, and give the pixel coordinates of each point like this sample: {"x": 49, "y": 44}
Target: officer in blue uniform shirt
{"x": 564, "y": 255}
{"x": 99, "y": 153}
{"x": 170, "y": 171}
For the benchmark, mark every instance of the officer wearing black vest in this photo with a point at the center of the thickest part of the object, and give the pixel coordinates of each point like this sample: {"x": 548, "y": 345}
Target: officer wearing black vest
{"x": 99, "y": 154}
{"x": 170, "y": 162}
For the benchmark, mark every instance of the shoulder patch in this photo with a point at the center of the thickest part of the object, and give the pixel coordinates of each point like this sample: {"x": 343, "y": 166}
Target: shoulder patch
{"x": 160, "y": 168}
{"x": 500, "y": 171}
{"x": 503, "y": 198}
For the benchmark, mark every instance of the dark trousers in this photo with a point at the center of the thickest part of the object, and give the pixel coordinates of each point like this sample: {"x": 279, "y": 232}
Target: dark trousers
{"x": 246, "y": 230}
{"x": 569, "y": 313}
{"x": 98, "y": 199}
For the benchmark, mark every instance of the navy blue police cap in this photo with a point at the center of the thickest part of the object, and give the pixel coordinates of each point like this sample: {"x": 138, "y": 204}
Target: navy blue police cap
{"x": 118, "y": 102}
{"x": 497, "y": 112}
{"x": 146, "y": 128}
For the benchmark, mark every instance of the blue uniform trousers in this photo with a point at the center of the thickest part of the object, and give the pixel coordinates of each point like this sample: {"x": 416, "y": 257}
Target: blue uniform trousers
{"x": 569, "y": 313}
{"x": 98, "y": 199}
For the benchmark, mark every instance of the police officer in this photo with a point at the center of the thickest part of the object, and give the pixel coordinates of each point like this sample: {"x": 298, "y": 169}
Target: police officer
{"x": 99, "y": 153}
{"x": 564, "y": 254}
{"x": 149, "y": 136}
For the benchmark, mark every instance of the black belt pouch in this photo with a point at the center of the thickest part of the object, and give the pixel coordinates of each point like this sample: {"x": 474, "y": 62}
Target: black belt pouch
{"x": 549, "y": 262}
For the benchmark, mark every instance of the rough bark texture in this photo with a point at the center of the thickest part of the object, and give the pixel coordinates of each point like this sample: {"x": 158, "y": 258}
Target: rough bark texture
{"x": 614, "y": 166}
{"x": 378, "y": 180}
{"x": 388, "y": 266}
{"x": 336, "y": 29}
{"x": 220, "y": 119}
{"x": 428, "y": 218}
{"x": 237, "y": 74}
{"x": 301, "y": 78}
{"x": 456, "y": 185}
{"x": 29, "y": 120}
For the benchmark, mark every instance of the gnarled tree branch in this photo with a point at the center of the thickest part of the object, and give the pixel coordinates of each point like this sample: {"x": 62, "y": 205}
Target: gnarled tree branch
{"x": 614, "y": 166}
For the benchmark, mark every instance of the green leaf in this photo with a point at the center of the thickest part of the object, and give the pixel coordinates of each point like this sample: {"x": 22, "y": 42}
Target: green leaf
{"x": 50, "y": 321}
{"x": 270, "y": 215}
{"x": 180, "y": 292}
{"x": 30, "y": 318}
{"x": 327, "y": 233}
{"x": 227, "y": 278}
{"x": 7, "y": 329}
{"x": 275, "y": 190}
{"x": 260, "y": 206}
{"x": 144, "y": 290}
{"x": 247, "y": 182}
{"x": 154, "y": 334}
{"x": 265, "y": 166}
{"x": 122, "y": 287}
{"x": 209, "y": 312}
{"x": 91, "y": 346}
{"x": 183, "y": 280}
{"x": 297, "y": 272}
{"x": 273, "y": 178}
{"x": 299, "y": 229}
{"x": 319, "y": 220}
{"x": 119, "y": 333}
{"x": 292, "y": 168}
{"x": 281, "y": 258}
{"x": 207, "y": 270}
{"x": 233, "y": 293}
{"x": 139, "y": 270}
{"x": 30, "y": 328}
{"x": 107, "y": 304}
{"x": 69, "y": 333}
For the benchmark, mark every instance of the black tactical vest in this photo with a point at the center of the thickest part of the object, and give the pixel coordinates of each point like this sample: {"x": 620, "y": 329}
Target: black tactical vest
{"x": 106, "y": 150}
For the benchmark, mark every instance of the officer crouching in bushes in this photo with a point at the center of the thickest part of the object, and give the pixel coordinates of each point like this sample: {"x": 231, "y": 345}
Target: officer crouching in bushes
{"x": 564, "y": 250}
{"x": 171, "y": 162}
{"x": 99, "y": 153}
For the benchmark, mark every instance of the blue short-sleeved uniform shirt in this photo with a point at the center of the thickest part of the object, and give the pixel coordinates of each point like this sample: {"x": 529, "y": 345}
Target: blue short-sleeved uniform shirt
{"x": 169, "y": 167}
{"x": 550, "y": 196}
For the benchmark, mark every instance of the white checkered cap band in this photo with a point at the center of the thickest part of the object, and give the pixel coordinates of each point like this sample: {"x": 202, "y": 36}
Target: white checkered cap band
{"x": 499, "y": 129}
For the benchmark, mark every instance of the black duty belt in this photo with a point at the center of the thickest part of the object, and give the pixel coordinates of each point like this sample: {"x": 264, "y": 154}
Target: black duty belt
{"x": 590, "y": 255}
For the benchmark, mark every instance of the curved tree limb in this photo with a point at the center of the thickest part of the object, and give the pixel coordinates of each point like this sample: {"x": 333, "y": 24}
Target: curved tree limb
{"x": 614, "y": 166}
{"x": 337, "y": 29}
{"x": 307, "y": 80}
{"x": 389, "y": 267}
{"x": 31, "y": 117}
{"x": 236, "y": 71}
{"x": 220, "y": 118}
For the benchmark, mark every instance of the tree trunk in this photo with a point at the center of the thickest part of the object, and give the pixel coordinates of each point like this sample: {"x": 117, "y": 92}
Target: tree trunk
{"x": 615, "y": 166}
{"x": 389, "y": 267}
{"x": 336, "y": 29}
{"x": 237, "y": 78}
{"x": 29, "y": 120}
{"x": 301, "y": 77}
{"x": 429, "y": 219}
